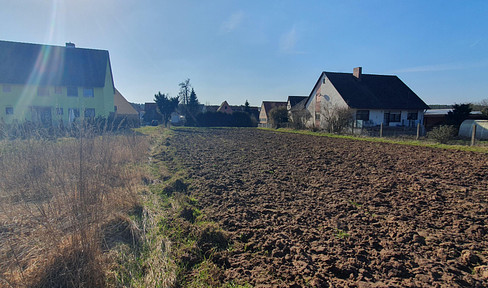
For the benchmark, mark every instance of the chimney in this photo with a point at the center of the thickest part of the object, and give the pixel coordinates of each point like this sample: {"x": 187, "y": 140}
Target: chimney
{"x": 70, "y": 45}
{"x": 357, "y": 72}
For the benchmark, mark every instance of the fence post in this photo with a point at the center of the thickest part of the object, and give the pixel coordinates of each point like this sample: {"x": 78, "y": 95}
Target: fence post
{"x": 381, "y": 130}
{"x": 473, "y": 135}
{"x": 418, "y": 131}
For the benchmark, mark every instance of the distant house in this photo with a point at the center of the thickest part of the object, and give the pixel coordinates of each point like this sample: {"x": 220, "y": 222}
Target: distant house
{"x": 225, "y": 108}
{"x": 436, "y": 117}
{"x": 372, "y": 99}
{"x": 297, "y": 114}
{"x": 49, "y": 84}
{"x": 151, "y": 113}
{"x": 124, "y": 110}
{"x": 210, "y": 108}
{"x": 266, "y": 107}
{"x": 253, "y": 111}
{"x": 293, "y": 101}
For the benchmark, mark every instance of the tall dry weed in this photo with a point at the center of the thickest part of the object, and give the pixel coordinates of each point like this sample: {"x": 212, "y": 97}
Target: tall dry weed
{"x": 55, "y": 198}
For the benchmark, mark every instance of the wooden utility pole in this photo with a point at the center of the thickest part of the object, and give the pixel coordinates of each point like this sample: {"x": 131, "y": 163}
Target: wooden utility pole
{"x": 473, "y": 135}
{"x": 418, "y": 131}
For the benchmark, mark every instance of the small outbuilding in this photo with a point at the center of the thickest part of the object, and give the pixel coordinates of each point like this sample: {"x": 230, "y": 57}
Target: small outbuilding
{"x": 466, "y": 129}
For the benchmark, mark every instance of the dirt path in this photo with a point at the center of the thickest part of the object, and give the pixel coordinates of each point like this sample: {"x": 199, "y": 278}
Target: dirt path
{"x": 305, "y": 210}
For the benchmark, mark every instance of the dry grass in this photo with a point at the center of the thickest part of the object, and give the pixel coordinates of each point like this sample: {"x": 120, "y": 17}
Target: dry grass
{"x": 58, "y": 198}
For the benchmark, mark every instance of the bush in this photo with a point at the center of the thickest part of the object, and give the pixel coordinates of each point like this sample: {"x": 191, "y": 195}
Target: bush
{"x": 219, "y": 119}
{"x": 442, "y": 134}
{"x": 278, "y": 117}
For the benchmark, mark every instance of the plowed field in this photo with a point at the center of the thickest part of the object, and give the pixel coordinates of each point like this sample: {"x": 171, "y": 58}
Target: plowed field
{"x": 308, "y": 211}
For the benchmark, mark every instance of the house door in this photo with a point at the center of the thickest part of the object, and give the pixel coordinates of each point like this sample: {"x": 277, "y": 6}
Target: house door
{"x": 42, "y": 115}
{"x": 386, "y": 119}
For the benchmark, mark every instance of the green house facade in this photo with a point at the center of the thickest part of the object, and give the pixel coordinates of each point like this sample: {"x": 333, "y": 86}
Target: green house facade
{"x": 51, "y": 84}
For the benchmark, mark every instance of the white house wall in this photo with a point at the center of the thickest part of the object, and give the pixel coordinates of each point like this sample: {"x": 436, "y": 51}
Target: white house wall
{"x": 263, "y": 118}
{"x": 325, "y": 97}
{"x": 376, "y": 117}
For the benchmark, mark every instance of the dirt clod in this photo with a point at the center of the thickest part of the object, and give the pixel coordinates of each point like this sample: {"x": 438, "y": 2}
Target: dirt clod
{"x": 302, "y": 210}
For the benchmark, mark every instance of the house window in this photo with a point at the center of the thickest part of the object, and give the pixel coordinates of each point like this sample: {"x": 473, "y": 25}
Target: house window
{"x": 88, "y": 92}
{"x": 362, "y": 115}
{"x": 90, "y": 113}
{"x": 72, "y": 91}
{"x": 317, "y": 116}
{"x": 413, "y": 116}
{"x": 7, "y": 88}
{"x": 58, "y": 90}
{"x": 73, "y": 112}
{"x": 42, "y": 91}
{"x": 9, "y": 110}
{"x": 115, "y": 108}
{"x": 59, "y": 111}
{"x": 395, "y": 117}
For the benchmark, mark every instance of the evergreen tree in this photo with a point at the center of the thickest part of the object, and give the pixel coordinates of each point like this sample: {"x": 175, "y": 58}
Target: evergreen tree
{"x": 192, "y": 108}
{"x": 193, "y": 101}
{"x": 459, "y": 113}
{"x": 166, "y": 105}
{"x": 247, "y": 108}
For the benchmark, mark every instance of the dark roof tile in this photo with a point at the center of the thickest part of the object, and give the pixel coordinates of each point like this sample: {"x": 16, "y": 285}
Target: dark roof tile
{"x": 375, "y": 91}
{"x": 294, "y": 100}
{"x": 25, "y": 63}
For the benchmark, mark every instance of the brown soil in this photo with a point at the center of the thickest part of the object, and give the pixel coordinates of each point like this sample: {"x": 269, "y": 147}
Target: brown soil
{"x": 316, "y": 211}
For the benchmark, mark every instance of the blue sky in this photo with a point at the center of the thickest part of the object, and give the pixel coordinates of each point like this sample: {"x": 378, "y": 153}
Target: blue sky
{"x": 267, "y": 50}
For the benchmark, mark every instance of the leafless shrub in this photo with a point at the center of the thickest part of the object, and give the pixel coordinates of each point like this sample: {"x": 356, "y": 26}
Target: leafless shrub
{"x": 299, "y": 118}
{"x": 442, "y": 134}
{"x": 335, "y": 119}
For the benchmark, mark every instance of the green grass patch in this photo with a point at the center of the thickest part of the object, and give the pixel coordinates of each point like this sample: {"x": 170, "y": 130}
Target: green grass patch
{"x": 422, "y": 143}
{"x": 180, "y": 242}
{"x": 341, "y": 234}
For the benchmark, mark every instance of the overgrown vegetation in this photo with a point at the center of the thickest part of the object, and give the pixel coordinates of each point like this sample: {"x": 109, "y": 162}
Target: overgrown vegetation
{"x": 65, "y": 203}
{"x": 219, "y": 119}
{"x": 95, "y": 126}
{"x": 299, "y": 117}
{"x": 336, "y": 119}
{"x": 278, "y": 117}
{"x": 442, "y": 134}
{"x": 181, "y": 247}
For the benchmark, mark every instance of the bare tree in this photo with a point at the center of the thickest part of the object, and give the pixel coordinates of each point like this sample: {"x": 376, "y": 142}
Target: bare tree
{"x": 299, "y": 117}
{"x": 335, "y": 119}
{"x": 185, "y": 91}
{"x": 481, "y": 106}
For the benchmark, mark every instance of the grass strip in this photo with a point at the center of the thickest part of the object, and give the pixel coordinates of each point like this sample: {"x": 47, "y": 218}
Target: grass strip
{"x": 421, "y": 143}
